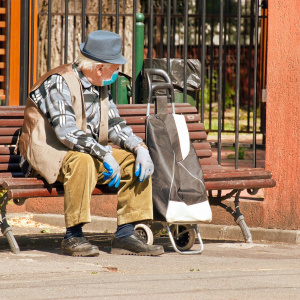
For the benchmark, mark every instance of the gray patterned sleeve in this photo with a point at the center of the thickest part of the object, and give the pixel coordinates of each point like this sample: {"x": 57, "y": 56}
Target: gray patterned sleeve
{"x": 118, "y": 132}
{"x": 54, "y": 99}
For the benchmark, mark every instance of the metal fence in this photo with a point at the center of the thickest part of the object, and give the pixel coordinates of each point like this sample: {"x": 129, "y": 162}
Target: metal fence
{"x": 227, "y": 36}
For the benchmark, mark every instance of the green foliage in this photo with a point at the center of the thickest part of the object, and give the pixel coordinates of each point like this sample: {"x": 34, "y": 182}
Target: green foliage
{"x": 213, "y": 84}
{"x": 241, "y": 153}
{"x": 210, "y": 96}
{"x": 2, "y": 192}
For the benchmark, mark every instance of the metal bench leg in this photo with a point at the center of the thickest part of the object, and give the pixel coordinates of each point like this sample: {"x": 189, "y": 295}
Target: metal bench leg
{"x": 240, "y": 220}
{"x": 5, "y": 228}
{"x": 238, "y": 217}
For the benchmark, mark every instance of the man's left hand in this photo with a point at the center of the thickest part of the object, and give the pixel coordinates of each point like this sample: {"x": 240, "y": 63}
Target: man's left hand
{"x": 144, "y": 167}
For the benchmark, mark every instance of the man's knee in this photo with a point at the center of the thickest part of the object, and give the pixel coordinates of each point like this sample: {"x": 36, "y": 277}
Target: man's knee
{"x": 82, "y": 163}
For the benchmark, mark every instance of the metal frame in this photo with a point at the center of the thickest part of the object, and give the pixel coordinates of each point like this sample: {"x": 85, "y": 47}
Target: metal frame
{"x": 238, "y": 216}
{"x": 154, "y": 86}
{"x": 174, "y": 243}
{"x": 5, "y": 228}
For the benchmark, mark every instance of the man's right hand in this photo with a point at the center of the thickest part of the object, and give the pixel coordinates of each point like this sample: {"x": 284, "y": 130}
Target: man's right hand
{"x": 113, "y": 170}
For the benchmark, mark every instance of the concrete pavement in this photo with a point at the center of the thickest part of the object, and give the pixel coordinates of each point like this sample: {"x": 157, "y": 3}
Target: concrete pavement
{"x": 225, "y": 270}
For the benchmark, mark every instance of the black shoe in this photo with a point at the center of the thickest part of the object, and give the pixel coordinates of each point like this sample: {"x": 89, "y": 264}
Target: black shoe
{"x": 78, "y": 246}
{"x": 134, "y": 246}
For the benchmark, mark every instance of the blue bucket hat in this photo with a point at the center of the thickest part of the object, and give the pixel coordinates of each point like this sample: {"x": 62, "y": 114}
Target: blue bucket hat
{"x": 103, "y": 46}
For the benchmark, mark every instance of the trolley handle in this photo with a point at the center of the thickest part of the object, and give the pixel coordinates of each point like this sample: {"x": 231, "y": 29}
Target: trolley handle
{"x": 155, "y": 86}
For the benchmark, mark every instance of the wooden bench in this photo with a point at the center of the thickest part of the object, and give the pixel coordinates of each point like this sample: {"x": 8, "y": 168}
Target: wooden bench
{"x": 216, "y": 177}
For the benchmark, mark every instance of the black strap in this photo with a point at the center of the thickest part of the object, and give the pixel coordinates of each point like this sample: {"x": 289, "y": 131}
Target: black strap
{"x": 161, "y": 105}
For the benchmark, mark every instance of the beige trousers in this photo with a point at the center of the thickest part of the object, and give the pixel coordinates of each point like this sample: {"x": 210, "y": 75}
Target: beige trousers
{"x": 81, "y": 172}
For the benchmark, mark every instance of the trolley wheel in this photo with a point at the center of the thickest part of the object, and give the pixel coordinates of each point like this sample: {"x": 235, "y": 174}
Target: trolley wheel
{"x": 184, "y": 237}
{"x": 144, "y": 233}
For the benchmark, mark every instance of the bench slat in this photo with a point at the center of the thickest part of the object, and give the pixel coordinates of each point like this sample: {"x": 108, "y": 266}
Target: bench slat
{"x": 236, "y": 175}
{"x": 12, "y": 113}
{"x": 10, "y": 167}
{"x": 142, "y": 111}
{"x": 191, "y": 127}
{"x": 137, "y": 120}
{"x": 11, "y": 131}
{"x": 134, "y": 106}
{"x": 240, "y": 184}
{"x": 208, "y": 161}
{"x": 7, "y": 150}
{"x": 9, "y": 158}
{"x": 8, "y": 140}
{"x": 11, "y": 108}
{"x": 11, "y": 122}
{"x": 6, "y": 175}
{"x": 53, "y": 192}
{"x": 212, "y": 167}
{"x": 200, "y": 135}
{"x": 210, "y": 185}
{"x": 12, "y": 183}
{"x": 222, "y": 170}
{"x": 201, "y": 145}
{"x": 204, "y": 153}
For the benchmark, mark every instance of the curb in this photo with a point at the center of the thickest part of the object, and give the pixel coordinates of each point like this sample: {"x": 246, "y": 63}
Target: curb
{"x": 207, "y": 231}
{"x": 98, "y": 224}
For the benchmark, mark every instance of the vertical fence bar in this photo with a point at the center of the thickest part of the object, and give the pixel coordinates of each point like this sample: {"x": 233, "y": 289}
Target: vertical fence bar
{"x": 162, "y": 21}
{"x": 116, "y": 85}
{"x": 83, "y": 20}
{"x": 211, "y": 66}
{"x": 150, "y": 37}
{"x": 220, "y": 90}
{"x": 185, "y": 49}
{"x": 255, "y": 84}
{"x": 266, "y": 45}
{"x": 133, "y": 95}
{"x": 117, "y": 15}
{"x": 168, "y": 34}
{"x": 32, "y": 44}
{"x": 224, "y": 66}
{"x": 66, "y": 31}
{"x": 203, "y": 59}
{"x": 124, "y": 27}
{"x": 262, "y": 64}
{"x": 49, "y": 35}
{"x": 100, "y": 15}
{"x": 139, "y": 56}
{"x": 237, "y": 96}
{"x": 7, "y": 51}
{"x": 24, "y": 51}
{"x": 250, "y": 64}
{"x": 173, "y": 54}
{"x": 198, "y": 31}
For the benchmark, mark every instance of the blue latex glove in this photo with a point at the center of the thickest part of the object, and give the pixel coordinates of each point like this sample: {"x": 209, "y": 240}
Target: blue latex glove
{"x": 144, "y": 167}
{"x": 113, "y": 170}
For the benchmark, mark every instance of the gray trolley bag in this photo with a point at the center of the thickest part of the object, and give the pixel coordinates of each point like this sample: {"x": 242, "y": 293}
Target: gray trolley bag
{"x": 179, "y": 194}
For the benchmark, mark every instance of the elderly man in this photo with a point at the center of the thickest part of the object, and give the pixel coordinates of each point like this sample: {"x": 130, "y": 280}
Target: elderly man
{"x": 68, "y": 120}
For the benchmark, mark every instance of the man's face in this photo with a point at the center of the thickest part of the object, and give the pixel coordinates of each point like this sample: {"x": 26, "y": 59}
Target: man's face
{"x": 105, "y": 72}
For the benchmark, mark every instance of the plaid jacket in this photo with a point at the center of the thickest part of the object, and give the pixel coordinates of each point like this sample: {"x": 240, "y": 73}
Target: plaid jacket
{"x": 53, "y": 98}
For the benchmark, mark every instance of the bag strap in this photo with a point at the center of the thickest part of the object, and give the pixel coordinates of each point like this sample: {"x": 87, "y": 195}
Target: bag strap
{"x": 161, "y": 105}
{"x": 104, "y": 106}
